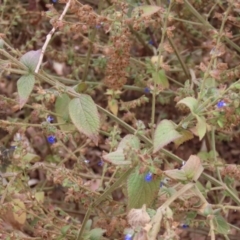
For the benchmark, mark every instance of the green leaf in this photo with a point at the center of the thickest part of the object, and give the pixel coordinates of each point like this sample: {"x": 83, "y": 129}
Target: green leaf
{"x": 81, "y": 87}
{"x": 220, "y": 123}
{"x": 39, "y": 196}
{"x": 210, "y": 83}
{"x": 186, "y": 136}
{"x": 176, "y": 174}
{"x": 190, "y": 102}
{"x": 25, "y": 86}
{"x": 30, "y": 158}
{"x": 88, "y": 225}
{"x": 96, "y": 233}
{"x": 160, "y": 78}
{"x": 141, "y": 192}
{"x": 237, "y": 86}
{"x": 129, "y": 141}
{"x": 116, "y": 158}
{"x": 206, "y": 209}
{"x": 193, "y": 168}
{"x": 220, "y": 224}
{"x": 145, "y": 11}
{"x": 61, "y": 106}
{"x": 190, "y": 171}
{"x": 201, "y": 127}
{"x": 164, "y": 134}
{"x": 84, "y": 115}
{"x": 30, "y": 59}
{"x": 19, "y": 211}
{"x": 191, "y": 215}
{"x": 168, "y": 191}
{"x": 64, "y": 229}
{"x": 113, "y": 106}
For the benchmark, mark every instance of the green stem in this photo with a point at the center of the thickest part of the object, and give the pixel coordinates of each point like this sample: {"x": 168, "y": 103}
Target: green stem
{"x": 14, "y": 60}
{"x": 184, "y": 67}
{"x": 160, "y": 49}
{"x": 214, "y": 153}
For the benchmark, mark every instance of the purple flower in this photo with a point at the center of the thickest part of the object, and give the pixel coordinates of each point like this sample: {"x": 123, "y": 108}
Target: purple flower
{"x": 148, "y": 177}
{"x": 98, "y": 26}
{"x": 128, "y": 236}
{"x": 100, "y": 163}
{"x": 150, "y": 42}
{"x": 50, "y": 119}
{"x": 185, "y": 225}
{"x": 51, "y": 139}
{"x": 161, "y": 184}
{"x": 221, "y": 104}
{"x": 146, "y": 90}
{"x": 54, "y": 1}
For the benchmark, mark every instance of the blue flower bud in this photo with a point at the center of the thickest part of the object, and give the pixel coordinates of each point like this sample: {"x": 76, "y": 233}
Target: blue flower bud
{"x": 146, "y": 90}
{"x": 50, "y": 119}
{"x": 148, "y": 177}
{"x": 128, "y": 236}
{"x": 185, "y": 225}
{"x": 100, "y": 163}
{"x": 51, "y": 139}
{"x": 221, "y": 104}
{"x": 150, "y": 42}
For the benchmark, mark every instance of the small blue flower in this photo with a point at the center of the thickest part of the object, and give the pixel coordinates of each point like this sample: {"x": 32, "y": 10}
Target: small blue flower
{"x": 99, "y": 25}
{"x": 146, "y": 90}
{"x": 184, "y": 226}
{"x": 150, "y": 42}
{"x": 100, "y": 163}
{"x": 128, "y": 236}
{"x": 50, "y": 119}
{"x": 221, "y": 104}
{"x": 161, "y": 184}
{"x": 148, "y": 177}
{"x": 54, "y": 1}
{"x": 51, "y": 139}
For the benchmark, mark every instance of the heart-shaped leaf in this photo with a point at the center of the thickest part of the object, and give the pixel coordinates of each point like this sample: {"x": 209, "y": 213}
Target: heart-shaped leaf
{"x": 190, "y": 171}
{"x": 30, "y": 59}
{"x": 129, "y": 141}
{"x": 190, "y": 102}
{"x": 84, "y": 115}
{"x": 25, "y": 86}
{"x": 164, "y": 134}
{"x": 140, "y": 191}
{"x": 116, "y": 158}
